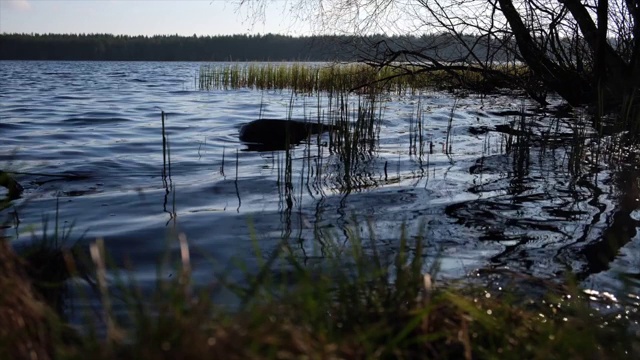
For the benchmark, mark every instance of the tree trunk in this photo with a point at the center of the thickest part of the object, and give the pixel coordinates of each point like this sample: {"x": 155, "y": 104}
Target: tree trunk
{"x": 612, "y": 72}
{"x": 566, "y": 83}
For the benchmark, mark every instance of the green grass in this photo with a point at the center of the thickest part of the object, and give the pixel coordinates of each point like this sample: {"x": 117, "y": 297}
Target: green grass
{"x": 358, "y": 303}
{"x": 312, "y": 78}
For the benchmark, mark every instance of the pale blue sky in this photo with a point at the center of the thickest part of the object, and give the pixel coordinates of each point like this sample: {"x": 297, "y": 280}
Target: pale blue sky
{"x": 143, "y": 17}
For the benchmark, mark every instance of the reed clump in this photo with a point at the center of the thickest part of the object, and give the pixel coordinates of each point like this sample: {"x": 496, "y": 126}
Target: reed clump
{"x": 316, "y": 77}
{"x": 359, "y": 303}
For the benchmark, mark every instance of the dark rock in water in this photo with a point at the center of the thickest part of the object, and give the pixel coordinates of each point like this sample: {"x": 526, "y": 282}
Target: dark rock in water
{"x": 276, "y": 134}
{"x": 478, "y": 130}
{"x": 511, "y": 113}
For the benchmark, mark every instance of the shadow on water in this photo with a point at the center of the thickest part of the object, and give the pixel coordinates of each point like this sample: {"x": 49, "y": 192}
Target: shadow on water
{"x": 621, "y": 225}
{"x": 549, "y": 202}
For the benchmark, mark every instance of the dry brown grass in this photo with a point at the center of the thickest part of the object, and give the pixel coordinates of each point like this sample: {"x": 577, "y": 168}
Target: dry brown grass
{"x": 26, "y": 319}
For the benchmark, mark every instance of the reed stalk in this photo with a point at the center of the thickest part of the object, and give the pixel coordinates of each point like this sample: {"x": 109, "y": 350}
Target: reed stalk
{"x": 332, "y": 78}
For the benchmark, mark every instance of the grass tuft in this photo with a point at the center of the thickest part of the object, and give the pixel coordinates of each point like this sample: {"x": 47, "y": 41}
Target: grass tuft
{"x": 359, "y": 302}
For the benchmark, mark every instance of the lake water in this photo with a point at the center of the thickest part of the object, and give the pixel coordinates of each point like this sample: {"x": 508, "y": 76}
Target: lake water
{"x": 539, "y": 208}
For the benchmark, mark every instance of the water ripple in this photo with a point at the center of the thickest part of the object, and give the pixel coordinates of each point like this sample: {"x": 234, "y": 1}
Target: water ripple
{"x": 102, "y": 121}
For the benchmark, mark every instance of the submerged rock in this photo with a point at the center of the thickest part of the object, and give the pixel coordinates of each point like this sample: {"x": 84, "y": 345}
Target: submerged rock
{"x": 277, "y": 134}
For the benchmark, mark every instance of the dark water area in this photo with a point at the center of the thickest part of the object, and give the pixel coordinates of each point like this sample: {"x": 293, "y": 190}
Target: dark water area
{"x": 474, "y": 176}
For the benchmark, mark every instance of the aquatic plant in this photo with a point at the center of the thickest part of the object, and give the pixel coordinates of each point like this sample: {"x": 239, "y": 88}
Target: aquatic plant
{"x": 355, "y": 141}
{"x": 343, "y": 77}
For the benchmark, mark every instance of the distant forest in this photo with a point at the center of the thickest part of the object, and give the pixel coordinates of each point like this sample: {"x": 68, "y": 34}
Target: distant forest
{"x": 268, "y": 47}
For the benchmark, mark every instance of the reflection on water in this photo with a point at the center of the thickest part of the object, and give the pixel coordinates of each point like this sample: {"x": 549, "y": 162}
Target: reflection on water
{"x": 497, "y": 182}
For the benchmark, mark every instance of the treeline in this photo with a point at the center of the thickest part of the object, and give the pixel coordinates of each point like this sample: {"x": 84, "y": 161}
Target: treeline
{"x": 175, "y": 48}
{"x": 268, "y": 47}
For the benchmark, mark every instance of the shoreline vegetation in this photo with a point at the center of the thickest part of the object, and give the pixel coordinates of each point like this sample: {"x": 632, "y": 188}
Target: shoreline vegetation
{"x": 360, "y": 78}
{"x": 357, "y": 305}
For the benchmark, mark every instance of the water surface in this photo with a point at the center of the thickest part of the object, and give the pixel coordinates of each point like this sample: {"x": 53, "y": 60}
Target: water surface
{"x": 483, "y": 198}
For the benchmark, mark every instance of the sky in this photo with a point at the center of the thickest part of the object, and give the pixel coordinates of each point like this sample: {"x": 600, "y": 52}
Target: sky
{"x": 145, "y": 17}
